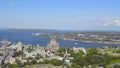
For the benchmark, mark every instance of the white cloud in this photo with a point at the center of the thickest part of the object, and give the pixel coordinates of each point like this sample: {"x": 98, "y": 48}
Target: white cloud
{"x": 117, "y": 22}
{"x": 106, "y": 24}
{"x": 98, "y": 24}
{"x": 109, "y": 22}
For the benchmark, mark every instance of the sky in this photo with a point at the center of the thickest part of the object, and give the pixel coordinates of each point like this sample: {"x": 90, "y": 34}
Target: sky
{"x": 60, "y": 14}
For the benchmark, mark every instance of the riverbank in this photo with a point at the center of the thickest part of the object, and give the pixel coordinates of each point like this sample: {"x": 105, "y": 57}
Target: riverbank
{"x": 93, "y": 41}
{"x": 85, "y": 41}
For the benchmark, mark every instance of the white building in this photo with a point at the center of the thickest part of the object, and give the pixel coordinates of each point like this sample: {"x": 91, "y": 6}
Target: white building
{"x": 76, "y": 50}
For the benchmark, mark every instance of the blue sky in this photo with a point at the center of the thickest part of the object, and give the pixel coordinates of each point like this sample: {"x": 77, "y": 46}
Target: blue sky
{"x": 61, "y": 14}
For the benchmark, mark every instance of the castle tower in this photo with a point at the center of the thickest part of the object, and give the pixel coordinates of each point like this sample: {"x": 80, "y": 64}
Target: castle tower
{"x": 19, "y": 46}
{"x": 53, "y": 45}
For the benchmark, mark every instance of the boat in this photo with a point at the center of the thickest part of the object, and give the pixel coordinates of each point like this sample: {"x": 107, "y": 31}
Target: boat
{"x": 75, "y": 43}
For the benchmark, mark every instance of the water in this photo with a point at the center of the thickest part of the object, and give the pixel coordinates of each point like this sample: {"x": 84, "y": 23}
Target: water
{"x": 28, "y": 38}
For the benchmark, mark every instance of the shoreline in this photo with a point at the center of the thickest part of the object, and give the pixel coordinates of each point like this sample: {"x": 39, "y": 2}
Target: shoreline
{"x": 93, "y": 41}
{"x": 84, "y": 41}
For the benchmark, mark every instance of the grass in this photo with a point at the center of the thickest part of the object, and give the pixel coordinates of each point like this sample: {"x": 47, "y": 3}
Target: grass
{"x": 114, "y": 61}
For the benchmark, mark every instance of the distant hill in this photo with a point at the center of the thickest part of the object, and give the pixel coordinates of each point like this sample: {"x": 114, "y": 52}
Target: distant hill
{"x": 39, "y": 30}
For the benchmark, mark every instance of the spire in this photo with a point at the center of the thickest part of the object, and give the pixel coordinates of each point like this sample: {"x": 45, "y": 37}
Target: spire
{"x": 6, "y": 40}
{"x": 3, "y": 40}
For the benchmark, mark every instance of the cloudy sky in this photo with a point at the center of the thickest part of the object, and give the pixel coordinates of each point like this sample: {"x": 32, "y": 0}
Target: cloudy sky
{"x": 61, "y": 14}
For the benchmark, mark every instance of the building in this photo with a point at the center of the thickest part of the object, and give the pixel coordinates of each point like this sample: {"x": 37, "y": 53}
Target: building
{"x": 5, "y": 43}
{"x": 76, "y": 50}
{"x": 53, "y": 45}
{"x": 19, "y": 46}
{"x": 7, "y": 51}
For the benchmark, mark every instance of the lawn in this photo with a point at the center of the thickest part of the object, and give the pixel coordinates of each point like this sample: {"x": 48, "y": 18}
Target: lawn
{"x": 114, "y": 61}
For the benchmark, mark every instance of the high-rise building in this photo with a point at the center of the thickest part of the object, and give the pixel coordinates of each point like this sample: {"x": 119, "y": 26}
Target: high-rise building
{"x": 53, "y": 45}
{"x": 19, "y": 46}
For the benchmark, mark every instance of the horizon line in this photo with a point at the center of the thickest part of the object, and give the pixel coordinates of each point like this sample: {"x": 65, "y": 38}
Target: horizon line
{"x": 60, "y": 30}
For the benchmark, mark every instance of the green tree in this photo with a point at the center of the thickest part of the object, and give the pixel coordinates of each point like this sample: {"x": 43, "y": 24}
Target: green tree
{"x": 56, "y": 62}
{"x": 92, "y": 51}
{"x": 19, "y": 53}
{"x": 30, "y": 58}
{"x": 37, "y": 57}
{"x": 1, "y": 54}
{"x": 61, "y": 49}
{"x": 33, "y": 62}
{"x": 13, "y": 65}
{"x": 97, "y": 60}
{"x": 74, "y": 65}
{"x": 81, "y": 61}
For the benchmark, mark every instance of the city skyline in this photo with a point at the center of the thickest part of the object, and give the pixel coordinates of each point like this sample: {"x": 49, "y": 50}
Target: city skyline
{"x": 60, "y": 14}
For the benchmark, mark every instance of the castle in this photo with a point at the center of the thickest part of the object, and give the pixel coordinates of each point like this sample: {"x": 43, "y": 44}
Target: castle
{"x": 53, "y": 45}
